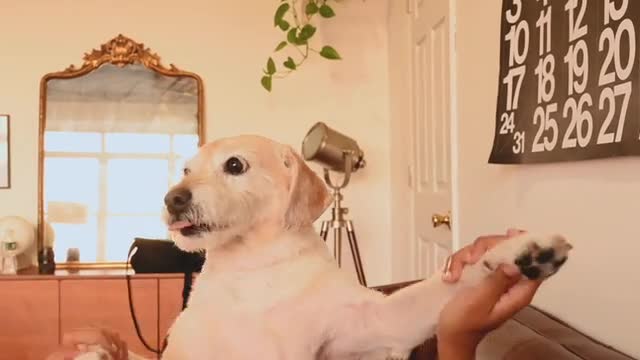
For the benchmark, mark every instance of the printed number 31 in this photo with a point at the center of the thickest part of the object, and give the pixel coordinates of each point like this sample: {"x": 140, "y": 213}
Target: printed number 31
{"x": 518, "y": 139}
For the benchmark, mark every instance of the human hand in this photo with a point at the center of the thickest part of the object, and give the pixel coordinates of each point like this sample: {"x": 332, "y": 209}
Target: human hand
{"x": 471, "y": 253}
{"x": 81, "y": 341}
{"x": 476, "y": 311}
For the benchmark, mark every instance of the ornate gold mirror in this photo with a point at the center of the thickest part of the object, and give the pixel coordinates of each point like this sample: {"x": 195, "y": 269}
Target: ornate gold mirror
{"x": 113, "y": 135}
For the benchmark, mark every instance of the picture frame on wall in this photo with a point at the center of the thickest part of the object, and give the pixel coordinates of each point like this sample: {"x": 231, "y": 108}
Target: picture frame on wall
{"x": 5, "y": 152}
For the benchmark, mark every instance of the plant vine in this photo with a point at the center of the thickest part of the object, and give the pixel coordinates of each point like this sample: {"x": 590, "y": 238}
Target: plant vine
{"x": 298, "y": 32}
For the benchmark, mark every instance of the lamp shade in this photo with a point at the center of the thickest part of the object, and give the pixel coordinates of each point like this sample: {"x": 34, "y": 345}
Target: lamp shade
{"x": 331, "y": 148}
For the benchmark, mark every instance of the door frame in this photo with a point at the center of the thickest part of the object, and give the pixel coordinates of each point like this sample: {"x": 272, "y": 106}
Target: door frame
{"x": 403, "y": 246}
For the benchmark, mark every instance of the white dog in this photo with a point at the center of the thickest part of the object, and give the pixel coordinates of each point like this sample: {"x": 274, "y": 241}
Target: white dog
{"x": 271, "y": 290}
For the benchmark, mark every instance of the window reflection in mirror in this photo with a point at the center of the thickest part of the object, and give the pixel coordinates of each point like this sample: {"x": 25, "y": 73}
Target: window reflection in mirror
{"x": 115, "y": 140}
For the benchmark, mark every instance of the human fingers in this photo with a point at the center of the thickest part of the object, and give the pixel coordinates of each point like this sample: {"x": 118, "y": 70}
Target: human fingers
{"x": 64, "y": 354}
{"x": 117, "y": 347}
{"x": 87, "y": 336}
{"x": 483, "y": 244}
{"x": 455, "y": 264}
{"x": 494, "y": 286}
{"x": 469, "y": 255}
{"x": 515, "y": 232}
{"x": 123, "y": 352}
{"x": 517, "y": 297}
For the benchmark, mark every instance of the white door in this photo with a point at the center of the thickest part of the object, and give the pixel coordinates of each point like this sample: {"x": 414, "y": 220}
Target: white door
{"x": 431, "y": 132}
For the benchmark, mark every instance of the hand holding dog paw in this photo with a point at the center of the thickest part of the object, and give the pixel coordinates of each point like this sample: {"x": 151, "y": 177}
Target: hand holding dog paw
{"x": 470, "y": 254}
{"x": 476, "y": 311}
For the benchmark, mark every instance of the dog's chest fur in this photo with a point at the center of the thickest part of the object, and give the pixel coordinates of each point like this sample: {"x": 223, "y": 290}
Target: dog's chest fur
{"x": 276, "y": 312}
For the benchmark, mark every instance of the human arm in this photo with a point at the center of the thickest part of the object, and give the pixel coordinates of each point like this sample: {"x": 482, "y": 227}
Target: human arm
{"x": 478, "y": 310}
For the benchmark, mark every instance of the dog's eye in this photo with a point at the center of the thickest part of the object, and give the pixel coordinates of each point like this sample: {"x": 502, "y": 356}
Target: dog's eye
{"x": 235, "y": 166}
{"x": 186, "y": 171}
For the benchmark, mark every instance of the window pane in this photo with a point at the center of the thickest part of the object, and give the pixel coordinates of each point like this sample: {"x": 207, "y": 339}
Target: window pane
{"x": 122, "y": 230}
{"x": 137, "y": 186}
{"x": 179, "y": 170}
{"x": 185, "y": 145}
{"x": 72, "y": 180}
{"x": 70, "y": 141}
{"x": 81, "y": 236}
{"x": 137, "y": 143}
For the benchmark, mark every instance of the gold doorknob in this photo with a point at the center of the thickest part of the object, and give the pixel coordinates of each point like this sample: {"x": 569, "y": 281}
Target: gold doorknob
{"x": 438, "y": 220}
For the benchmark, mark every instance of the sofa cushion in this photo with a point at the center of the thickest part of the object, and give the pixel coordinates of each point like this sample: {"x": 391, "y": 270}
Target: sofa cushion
{"x": 514, "y": 341}
{"x": 534, "y": 334}
{"x": 530, "y": 335}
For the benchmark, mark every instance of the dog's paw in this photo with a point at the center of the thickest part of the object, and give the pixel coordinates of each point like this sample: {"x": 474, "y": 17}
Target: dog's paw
{"x": 537, "y": 257}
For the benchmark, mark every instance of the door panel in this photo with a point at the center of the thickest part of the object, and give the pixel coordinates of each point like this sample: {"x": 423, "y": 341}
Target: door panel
{"x": 431, "y": 133}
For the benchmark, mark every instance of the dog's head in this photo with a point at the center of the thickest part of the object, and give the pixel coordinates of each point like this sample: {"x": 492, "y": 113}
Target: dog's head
{"x": 237, "y": 185}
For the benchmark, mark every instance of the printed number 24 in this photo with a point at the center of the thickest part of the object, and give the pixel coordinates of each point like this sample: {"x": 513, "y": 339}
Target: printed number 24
{"x": 508, "y": 123}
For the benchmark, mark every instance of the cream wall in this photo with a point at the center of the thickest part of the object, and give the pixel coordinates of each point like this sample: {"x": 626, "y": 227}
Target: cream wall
{"x": 594, "y": 203}
{"x": 227, "y": 43}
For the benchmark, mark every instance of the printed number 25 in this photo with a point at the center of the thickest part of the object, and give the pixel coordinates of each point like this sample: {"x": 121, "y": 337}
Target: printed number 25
{"x": 543, "y": 117}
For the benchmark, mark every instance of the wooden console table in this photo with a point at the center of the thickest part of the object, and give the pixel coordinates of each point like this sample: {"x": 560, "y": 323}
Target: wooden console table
{"x": 36, "y": 310}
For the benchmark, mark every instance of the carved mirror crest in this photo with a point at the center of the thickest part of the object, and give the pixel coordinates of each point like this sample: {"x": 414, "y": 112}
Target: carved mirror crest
{"x": 113, "y": 135}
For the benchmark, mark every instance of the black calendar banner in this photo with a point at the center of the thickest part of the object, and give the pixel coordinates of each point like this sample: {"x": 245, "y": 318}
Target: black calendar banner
{"x": 569, "y": 86}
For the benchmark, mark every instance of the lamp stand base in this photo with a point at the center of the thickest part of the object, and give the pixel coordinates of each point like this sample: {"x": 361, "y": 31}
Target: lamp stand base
{"x": 338, "y": 223}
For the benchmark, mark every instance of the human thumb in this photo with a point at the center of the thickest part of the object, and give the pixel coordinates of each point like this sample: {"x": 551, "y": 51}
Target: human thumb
{"x": 496, "y": 284}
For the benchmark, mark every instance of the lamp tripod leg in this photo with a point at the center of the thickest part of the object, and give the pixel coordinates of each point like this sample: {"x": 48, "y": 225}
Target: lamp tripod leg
{"x": 324, "y": 230}
{"x": 355, "y": 252}
{"x": 337, "y": 244}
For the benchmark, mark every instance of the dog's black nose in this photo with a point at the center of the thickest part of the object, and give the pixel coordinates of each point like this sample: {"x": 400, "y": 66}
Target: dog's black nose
{"x": 178, "y": 200}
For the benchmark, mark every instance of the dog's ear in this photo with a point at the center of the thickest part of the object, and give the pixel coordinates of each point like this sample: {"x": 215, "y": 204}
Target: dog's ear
{"x": 308, "y": 195}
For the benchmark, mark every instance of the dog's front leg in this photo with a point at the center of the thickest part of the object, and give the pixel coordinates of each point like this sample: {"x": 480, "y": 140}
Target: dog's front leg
{"x": 393, "y": 324}
{"x": 405, "y": 319}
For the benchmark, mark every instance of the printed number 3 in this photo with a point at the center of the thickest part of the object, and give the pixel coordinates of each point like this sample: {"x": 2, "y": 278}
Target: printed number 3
{"x": 511, "y": 17}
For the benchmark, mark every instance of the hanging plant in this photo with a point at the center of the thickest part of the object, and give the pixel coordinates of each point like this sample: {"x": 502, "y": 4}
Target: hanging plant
{"x": 297, "y": 30}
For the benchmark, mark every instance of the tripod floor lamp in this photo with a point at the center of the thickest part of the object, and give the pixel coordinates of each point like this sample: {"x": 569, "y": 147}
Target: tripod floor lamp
{"x": 338, "y": 153}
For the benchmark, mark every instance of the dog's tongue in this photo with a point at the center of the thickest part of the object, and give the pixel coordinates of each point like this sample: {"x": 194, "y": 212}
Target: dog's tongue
{"x": 179, "y": 225}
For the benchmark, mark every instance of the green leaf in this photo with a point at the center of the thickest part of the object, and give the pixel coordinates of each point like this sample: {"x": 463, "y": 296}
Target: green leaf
{"x": 284, "y": 25}
{"x": 282, "y": 9}
{"x": 271, "y": 66}
{"x": 311, "y": 8}
{"x": 281, "y": 46}
{"x": 290, "y": 64}
{"x": 292, "y": 36}
{"x": 266, "y": 82}
{"x": 326, "y": 11}
{"x": 307, "y": 32}
{"x": 329, "y": 53}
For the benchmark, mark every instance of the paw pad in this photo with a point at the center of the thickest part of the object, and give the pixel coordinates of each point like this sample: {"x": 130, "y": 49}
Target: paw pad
{"x": 542, "y": 259}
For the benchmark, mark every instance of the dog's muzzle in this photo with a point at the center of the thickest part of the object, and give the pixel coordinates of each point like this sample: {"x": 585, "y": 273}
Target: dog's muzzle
{"x": 178, "y": 200}
{"x": 178, "y": 203}
{"x": 183, "y": 218}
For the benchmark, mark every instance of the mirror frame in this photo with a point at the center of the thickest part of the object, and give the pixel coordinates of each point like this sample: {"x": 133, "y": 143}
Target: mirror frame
{"x": 119, "y": 51}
